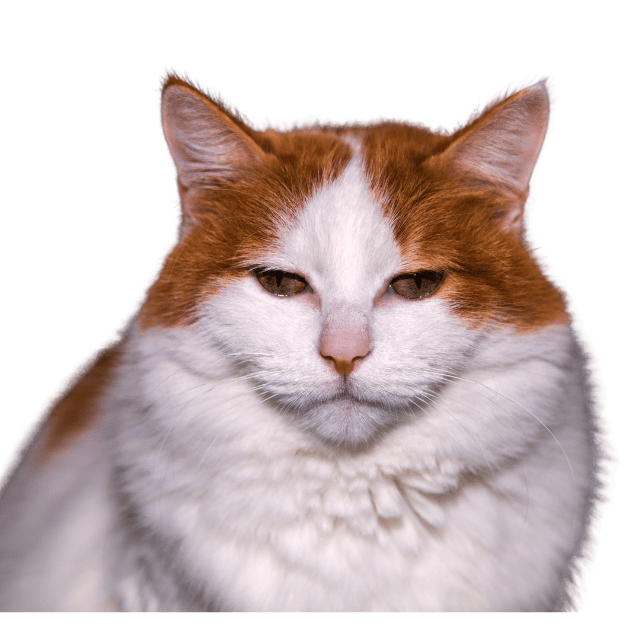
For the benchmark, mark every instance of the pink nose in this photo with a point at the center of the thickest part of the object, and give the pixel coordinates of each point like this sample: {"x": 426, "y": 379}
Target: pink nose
{"x": 344, "y": 344}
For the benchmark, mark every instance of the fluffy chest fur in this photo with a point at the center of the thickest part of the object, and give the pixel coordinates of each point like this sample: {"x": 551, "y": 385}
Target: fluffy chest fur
{"x": 270, "y": 520}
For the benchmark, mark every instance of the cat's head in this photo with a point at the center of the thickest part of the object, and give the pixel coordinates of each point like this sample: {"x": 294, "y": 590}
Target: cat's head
{"x": 351, "y": 271}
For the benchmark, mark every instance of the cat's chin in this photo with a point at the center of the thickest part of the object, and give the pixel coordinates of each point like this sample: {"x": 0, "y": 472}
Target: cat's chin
{"x": 346, "y": 422}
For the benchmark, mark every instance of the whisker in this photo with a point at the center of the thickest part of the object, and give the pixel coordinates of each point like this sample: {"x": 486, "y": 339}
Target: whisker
{"x": 456, "y": 378}
{"x": 434, "y": 402}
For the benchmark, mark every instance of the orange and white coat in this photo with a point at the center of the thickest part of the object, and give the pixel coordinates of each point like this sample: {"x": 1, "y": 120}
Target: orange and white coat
{"x": 343, "y": 447}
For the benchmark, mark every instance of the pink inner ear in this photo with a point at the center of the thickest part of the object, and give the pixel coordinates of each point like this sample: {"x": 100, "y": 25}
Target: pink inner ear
{"x": 345, "y": 338}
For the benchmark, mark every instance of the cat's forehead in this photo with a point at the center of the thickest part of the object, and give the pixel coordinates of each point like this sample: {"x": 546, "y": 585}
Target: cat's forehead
{"x": 341, "y": 239}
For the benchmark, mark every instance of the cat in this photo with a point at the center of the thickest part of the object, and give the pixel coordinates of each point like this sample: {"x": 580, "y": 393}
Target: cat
{"x": 351, "y": 387}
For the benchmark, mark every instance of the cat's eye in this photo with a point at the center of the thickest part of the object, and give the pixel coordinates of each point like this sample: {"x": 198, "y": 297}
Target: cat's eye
{"x": 417, "y": 285}
{"x": 280, "y": 283}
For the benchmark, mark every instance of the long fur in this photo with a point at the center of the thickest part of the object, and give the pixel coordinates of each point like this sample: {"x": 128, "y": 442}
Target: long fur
{"x": 342, "y": 447}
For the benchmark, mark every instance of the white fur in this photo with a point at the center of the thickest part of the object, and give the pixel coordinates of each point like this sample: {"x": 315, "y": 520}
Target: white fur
{"x": 453, "y": 477}
{"x": 54, "y": 523}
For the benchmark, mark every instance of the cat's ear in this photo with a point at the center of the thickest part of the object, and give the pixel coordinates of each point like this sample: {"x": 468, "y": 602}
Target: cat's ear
{"x": 208, "y": 144}
{"x": 501, "y": 147}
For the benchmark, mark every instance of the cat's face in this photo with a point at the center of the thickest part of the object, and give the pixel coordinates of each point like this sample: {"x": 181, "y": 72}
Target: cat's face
{"x": 347, "y": 353}
{"x": 351, "y": 273}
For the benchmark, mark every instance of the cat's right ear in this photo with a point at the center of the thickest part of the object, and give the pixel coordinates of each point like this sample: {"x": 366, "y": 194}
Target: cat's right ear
{"x": 208, "y": 144}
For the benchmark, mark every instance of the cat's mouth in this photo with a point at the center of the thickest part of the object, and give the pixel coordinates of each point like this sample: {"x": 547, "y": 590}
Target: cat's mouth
{"x": 343, "y": 416}
{"x": 344, "y": 393}
{"x": 346, "y": 419}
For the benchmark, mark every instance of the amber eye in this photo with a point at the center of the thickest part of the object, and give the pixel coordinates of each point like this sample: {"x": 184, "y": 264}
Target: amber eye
{"x": 280, "y": 283}
{"x": 417, "y": 285}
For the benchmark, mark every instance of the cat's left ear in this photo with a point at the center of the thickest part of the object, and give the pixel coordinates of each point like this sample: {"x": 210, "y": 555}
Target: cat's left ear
{"x": 500, "y": 148}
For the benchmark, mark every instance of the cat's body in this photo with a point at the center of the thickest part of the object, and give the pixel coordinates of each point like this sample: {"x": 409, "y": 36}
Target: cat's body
{"x": 351, "y": 388}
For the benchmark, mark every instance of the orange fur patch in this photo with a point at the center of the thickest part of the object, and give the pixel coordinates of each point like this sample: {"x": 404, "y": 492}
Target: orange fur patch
{"x": 444, "y": 222}
{"x": 79, "y": 407}
{"x": 442, "y": 219}
{"x": 232, "y": 224}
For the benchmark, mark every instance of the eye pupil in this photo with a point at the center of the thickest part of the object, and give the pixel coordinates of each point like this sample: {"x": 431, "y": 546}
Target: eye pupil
{"x": 280, "y": 283}
{"x": 417, "y": 285}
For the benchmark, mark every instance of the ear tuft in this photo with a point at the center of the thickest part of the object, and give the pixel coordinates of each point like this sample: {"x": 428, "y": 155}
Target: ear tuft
{"x": 208, "y": 143}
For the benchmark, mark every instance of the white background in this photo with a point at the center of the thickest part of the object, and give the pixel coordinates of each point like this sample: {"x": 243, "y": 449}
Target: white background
{"x": 88, "y": 194}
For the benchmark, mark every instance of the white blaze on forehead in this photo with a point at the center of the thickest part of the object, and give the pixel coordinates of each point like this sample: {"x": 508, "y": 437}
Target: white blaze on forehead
{"x": 342, "y": 242}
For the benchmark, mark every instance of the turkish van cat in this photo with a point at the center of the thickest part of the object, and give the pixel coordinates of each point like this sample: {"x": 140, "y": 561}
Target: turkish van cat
{"x": 351, "y": 387}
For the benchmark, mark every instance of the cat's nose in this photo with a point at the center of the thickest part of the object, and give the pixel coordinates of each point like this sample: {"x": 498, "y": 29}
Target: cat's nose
{"x": 343, "y": 350}
{"x": 344, "y": 341}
